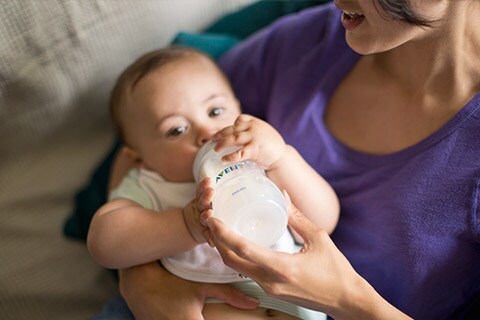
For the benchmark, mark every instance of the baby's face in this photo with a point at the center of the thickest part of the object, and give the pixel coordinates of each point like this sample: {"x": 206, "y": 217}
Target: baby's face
{"x": 176, "y": 109}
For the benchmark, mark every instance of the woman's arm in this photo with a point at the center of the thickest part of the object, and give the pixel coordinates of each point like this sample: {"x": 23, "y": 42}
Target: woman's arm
{"x": 123, "y": 234}
{"x": 318, "y": 277}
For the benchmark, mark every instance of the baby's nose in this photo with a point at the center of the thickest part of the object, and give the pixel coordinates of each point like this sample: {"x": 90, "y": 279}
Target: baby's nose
{"x": 204, "y": 135}
{"x": 204, "y": 140}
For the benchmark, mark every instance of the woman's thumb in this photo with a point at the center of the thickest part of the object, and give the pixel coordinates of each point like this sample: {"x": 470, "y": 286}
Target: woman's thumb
{"x": 297, "y": 220}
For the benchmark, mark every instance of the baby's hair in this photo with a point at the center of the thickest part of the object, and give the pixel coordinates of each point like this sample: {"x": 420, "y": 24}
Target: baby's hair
{"x": 145, "y": 64}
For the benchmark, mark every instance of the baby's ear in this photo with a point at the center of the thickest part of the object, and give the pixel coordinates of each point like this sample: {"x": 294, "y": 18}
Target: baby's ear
{"x": 131, "y": 154}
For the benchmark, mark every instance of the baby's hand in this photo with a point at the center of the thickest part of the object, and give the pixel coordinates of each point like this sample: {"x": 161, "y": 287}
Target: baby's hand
{"x": 199, "y": 204}
{"x": 259, "y": 142}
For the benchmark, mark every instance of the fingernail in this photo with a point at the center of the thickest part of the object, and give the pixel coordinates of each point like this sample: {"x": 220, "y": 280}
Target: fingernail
{"x": 210, "y": 224}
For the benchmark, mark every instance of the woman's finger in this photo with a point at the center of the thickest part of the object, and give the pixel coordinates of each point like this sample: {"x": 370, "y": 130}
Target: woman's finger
{"x": 231, "y": 259}
{"x": 229, "y": 242}
{"x": 230, "y": 295}
{"x": 301, "y": 225}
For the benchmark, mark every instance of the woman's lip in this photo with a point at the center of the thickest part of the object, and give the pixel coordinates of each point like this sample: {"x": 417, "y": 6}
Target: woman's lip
{"x": 350, "y": 22}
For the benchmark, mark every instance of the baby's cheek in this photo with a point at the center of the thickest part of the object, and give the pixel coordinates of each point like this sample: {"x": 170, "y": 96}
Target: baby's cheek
{"x": 177, "y": 169}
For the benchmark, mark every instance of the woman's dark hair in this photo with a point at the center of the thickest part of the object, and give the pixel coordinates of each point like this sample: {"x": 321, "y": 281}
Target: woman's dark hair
{"x": 401, "y": 10}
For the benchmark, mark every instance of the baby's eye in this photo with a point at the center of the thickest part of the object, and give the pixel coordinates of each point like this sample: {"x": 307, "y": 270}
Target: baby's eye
{"x": 175, "y": 132}
{"x": 215, "y": 112}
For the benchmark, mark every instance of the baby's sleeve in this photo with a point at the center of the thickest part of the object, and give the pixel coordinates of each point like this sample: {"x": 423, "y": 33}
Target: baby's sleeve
{"x": 130, "y": 189}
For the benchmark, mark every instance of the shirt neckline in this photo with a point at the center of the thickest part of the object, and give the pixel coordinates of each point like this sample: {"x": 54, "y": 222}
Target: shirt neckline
{"x": 344, "y": 66}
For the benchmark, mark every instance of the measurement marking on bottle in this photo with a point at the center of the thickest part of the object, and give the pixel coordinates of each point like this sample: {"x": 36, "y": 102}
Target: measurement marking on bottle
{"x": 239, "y": 190}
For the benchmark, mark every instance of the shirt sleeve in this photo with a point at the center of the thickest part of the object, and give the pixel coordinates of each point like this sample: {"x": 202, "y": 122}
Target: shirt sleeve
{"x": 130, "y": 189}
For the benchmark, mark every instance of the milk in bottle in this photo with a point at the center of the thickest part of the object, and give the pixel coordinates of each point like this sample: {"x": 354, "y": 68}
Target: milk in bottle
{"x": 245, "y": 199}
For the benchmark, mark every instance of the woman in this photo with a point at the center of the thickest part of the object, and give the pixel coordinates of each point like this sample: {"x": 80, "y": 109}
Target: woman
{"x": 390, "y": 118}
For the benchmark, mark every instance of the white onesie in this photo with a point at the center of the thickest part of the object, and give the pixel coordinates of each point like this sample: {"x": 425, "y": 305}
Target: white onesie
{"x": 202, "y": 263}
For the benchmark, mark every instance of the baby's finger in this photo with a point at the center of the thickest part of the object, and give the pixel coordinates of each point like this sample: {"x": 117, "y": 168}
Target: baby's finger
{"x": 232, "y": 139}
{"x": 247, "y": 152}
{"x": 202, "y": 186}
{"x": 225, "y": 132}
{"x": 241, "y": 126}
{"x": 238, "y": 140}
{"x": 205, "y": 200}
{"x": 243, "y": 118}
{"x": 224, "y": 143}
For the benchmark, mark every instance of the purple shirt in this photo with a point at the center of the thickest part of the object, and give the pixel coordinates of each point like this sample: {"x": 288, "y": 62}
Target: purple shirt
{"x": 409, "y": 220}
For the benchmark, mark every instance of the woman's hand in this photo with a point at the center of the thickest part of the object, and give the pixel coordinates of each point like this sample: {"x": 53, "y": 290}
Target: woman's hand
{"x": 317, "y": 277}
{"x": 151, "y": 292}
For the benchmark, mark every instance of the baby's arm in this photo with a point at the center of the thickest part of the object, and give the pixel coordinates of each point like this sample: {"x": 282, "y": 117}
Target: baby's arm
{"x": 123, "y": 233}
{"x": 261, "y": 143}
{"x": 310, "y": 193}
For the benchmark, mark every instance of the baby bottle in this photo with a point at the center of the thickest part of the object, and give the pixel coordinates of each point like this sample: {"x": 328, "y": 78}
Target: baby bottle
{"x": 245, "y": 200}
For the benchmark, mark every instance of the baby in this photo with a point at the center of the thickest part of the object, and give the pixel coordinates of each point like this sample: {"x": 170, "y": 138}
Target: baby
{"x": 166, "y": 106}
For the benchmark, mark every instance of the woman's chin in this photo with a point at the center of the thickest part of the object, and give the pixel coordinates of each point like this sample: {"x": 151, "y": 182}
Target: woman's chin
{"x": 365, "y": 47}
